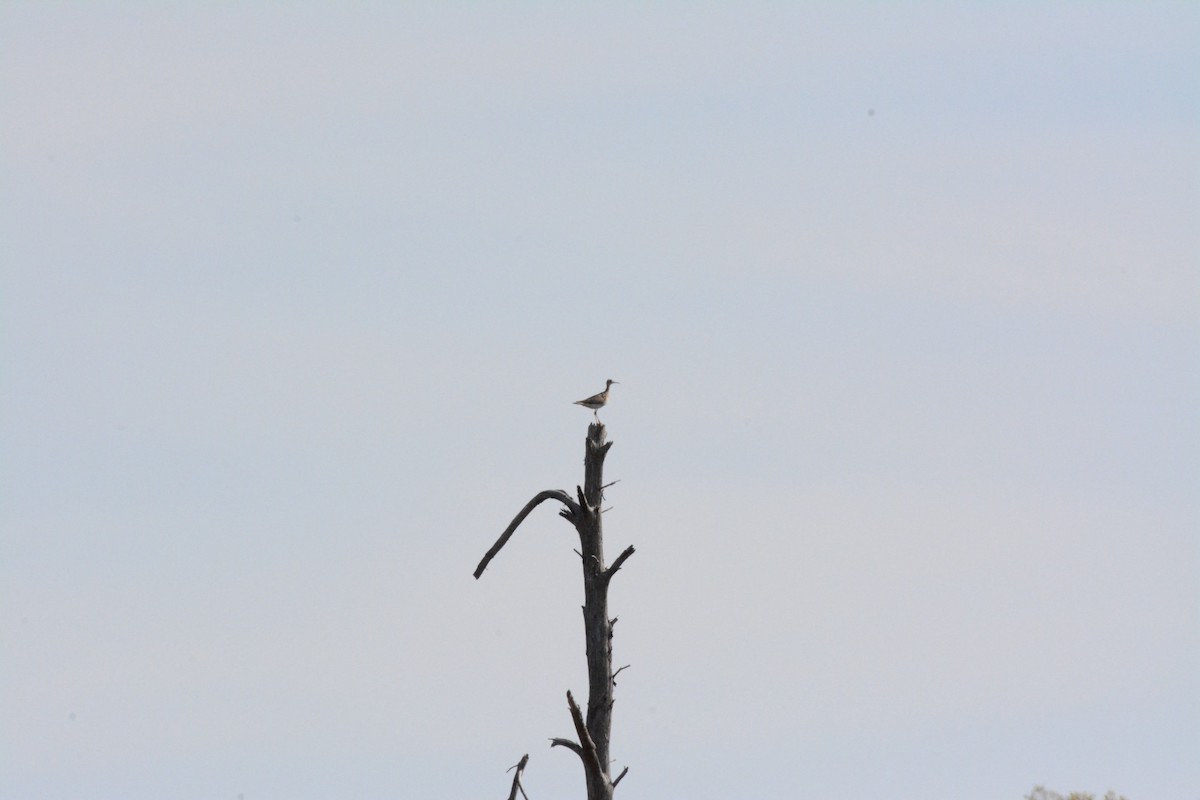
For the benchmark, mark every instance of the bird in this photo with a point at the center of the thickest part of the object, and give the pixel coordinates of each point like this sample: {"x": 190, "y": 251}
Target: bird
{"x": 597, "y": 401}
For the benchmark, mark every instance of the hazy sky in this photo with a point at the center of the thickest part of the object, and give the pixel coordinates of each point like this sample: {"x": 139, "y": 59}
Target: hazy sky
{"x": 905, "y": 305}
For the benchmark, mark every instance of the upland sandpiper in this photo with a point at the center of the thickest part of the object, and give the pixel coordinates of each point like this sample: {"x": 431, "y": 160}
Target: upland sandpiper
{"x": 597, "y": 401}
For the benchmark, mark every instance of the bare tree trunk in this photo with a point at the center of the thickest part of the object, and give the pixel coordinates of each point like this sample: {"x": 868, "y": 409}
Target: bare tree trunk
{"x": 585, "y": 512}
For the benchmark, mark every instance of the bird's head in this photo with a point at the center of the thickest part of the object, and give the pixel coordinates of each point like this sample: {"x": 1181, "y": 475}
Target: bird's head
{"x": 609, "y": 383}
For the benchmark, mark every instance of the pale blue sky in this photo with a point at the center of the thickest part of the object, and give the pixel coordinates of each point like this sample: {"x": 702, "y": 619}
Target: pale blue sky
{"x": 903, "y": 302}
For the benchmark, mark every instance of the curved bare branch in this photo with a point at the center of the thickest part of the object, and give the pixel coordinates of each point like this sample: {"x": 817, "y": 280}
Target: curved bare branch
{"x": 540, "y": 497}
{"x": 567, "y": 743}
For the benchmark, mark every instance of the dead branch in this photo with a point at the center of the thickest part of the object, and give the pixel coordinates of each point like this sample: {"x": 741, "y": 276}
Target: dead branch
{"x": 614, "y": 784}
{"x": 540, "y": 497}
{"x": 567, "y": 743}
{"x": 616, "y": 565}
{"x": 586, "y": 749}
{"x": 520, "y": 767}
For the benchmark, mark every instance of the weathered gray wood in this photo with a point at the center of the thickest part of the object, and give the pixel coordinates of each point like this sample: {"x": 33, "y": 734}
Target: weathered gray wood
{"x": 596, "y": 625}
{"x": 556, "y": 494}
{"x": 516, "y": 784}
{"x": 585, "y": 512}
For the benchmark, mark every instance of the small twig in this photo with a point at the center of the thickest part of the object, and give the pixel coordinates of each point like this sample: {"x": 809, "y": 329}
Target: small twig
{"x": 549, "y": 494}
{"x": 605, "y": 486}
{"x": 618, "y": 672}
{"x": 622, "y": 775}
{"x": 516, "y": 785}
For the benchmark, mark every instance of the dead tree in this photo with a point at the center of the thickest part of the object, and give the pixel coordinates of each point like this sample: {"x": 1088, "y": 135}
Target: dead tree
{"x": 585, "y": 512}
